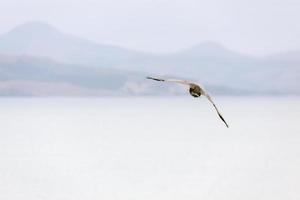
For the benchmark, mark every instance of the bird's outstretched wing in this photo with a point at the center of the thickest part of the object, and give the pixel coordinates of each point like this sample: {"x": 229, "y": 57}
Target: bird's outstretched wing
{"x": 170, "y": 80}
{"x": 210, "y": 99}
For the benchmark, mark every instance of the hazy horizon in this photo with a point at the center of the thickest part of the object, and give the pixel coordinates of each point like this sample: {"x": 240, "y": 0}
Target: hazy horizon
{"x": 253, "y": 27}
{"x": 79, "y": 66}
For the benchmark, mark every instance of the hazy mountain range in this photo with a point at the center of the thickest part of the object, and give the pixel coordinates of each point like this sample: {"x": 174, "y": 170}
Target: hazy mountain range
{"x": 37, "y": 59}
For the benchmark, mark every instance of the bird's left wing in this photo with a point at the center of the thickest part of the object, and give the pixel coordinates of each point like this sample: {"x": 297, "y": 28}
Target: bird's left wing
{"x": 170, "y": 80}
{"x": 210, "y": 99}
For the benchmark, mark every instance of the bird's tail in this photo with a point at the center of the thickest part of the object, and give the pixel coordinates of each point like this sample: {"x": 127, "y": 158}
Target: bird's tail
{"x": 156, "y": 79}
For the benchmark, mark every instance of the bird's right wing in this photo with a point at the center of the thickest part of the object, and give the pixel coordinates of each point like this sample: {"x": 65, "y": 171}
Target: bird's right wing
{"x": 170, "y": 80}
{"x": 210, "y": 99}
{"x": 155, "y": 79}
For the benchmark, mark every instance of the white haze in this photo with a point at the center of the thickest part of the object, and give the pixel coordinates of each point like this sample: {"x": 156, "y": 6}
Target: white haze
{"x": 149, "y": 148}
{"x": 256, "y": 27}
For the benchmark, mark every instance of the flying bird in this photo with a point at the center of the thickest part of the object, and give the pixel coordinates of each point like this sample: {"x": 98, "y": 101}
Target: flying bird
{"x": 195, "y": 90}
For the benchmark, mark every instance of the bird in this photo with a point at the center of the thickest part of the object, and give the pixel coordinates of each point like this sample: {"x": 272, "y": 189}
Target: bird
{"x": 195, "y": 90}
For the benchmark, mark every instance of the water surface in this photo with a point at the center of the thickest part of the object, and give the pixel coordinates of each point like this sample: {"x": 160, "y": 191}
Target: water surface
{"x": 149, "y": 148}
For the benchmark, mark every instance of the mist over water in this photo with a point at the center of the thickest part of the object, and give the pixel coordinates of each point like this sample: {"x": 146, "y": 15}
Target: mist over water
{"x": 149, "y": 148}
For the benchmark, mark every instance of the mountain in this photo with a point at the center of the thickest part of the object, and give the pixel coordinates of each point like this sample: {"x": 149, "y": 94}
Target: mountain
{"x": 39, "y": 53}
{"x": 44, "y": 40}
{"x": 213, "y": 64}
{"x": 31, "y": 76}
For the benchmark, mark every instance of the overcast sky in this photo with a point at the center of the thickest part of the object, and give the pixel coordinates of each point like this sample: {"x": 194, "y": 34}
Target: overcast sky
{"x": 256, "y": 27}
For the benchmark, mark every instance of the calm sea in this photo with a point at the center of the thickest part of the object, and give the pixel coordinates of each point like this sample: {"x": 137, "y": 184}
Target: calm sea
{"x": 149, "y": 148}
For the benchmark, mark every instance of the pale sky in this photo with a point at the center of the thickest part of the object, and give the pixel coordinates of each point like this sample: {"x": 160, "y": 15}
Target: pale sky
{"x": 256, "y": 27}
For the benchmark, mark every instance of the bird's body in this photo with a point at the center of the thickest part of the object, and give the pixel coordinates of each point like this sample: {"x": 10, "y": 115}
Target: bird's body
{"x": 195, "y": 90}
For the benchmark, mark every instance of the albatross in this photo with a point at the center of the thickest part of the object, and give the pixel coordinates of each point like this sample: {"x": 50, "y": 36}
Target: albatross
{"x": 194, "y": 89}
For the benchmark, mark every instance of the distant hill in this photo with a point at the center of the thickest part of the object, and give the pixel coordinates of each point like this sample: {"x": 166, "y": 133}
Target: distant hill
{"x": 30, "y": 76}
{"x": 213, "y": 64}
{"x": 40, "y": 39}
{"x": 43, "y": 57}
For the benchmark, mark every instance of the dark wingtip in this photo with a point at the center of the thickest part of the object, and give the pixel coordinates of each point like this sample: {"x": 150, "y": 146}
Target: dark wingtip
{"x": 223, "y": 121}
{"x": 156, "y": 79}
